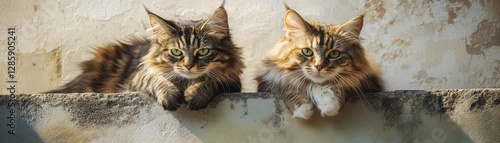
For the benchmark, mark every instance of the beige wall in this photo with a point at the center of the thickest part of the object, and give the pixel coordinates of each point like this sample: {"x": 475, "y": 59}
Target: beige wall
{"x": 419, "y": 44}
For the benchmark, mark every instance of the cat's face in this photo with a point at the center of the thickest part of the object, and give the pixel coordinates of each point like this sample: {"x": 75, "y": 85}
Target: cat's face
{"x": 323, "y": 52}
{"x": 191, "y": 48}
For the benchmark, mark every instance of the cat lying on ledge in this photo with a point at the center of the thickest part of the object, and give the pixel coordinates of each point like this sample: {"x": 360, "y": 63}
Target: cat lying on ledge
{"x": 190, "y": 62}
{"x": 318, "y": 64}
{"x": 185, "y": 62}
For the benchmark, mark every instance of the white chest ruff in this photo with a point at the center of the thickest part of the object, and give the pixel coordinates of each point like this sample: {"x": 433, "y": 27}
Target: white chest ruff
{"x": 325, "y": 99}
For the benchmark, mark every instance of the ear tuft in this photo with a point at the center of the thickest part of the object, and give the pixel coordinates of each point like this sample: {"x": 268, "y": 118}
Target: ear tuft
{"x": 295, "y": 25}
{"x": 154, "y": 21}
{"x": 354, "y": 25}
{"x": 161, "y": 26}
{"x": 217, "y": 25}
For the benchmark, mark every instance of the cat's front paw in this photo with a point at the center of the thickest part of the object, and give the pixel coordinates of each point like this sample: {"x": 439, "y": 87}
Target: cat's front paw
{"x": 196, "y": 100}
{"x": 329, "y": 109}
{"x": 304, "y": 111}
{"x": 330, "y": 106}
{"x": 171, "y": 99}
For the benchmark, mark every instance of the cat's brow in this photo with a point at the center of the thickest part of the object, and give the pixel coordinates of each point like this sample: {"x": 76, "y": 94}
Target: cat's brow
{"x": 321, "y": 38}
{"x": 329, "y": 42}
{"x": 187, "y": 36}
{"x": 325, "y": 40}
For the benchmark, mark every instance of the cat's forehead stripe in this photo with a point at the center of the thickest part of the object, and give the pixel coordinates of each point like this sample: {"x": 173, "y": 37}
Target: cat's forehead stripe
{"x": 321, "y": 38}
{"x": 187, "y": 35}
{"x": 189, "y": 38}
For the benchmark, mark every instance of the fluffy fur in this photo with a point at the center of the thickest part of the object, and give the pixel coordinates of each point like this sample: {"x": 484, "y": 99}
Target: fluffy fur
{"x": 318, "y": 64}
{"x": 184, "y": 62}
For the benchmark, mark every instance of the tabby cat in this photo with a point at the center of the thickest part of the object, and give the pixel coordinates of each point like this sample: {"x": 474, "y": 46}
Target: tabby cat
{"x": 318, "y": 64}
{"x": 185, "y": 62}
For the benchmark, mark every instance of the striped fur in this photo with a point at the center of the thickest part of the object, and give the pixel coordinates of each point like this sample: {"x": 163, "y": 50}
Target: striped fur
{"x": 210, "y": 64}
{"x": 110, "y": 69}
{"x": 313, "y": 77}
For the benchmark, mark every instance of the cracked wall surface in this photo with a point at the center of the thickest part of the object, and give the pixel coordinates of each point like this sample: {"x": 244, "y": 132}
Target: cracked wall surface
{"x": 418, "y": 44}
{"x": 469, "y": 115}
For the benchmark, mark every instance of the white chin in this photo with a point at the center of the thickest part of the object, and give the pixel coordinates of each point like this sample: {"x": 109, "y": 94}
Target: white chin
{"x": 190, "y": 75}
{"x": 317, "y": 78}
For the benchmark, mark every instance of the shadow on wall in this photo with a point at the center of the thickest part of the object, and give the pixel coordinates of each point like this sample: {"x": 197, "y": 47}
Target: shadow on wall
{"x": 399, "y": 116}
{"x": 417, "y": 118}
{"x": 14, "y": 128}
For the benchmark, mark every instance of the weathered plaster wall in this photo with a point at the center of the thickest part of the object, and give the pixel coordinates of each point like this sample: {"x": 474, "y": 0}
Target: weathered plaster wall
{"x": 439, "y": 116}
{"x": 419, "y": 44}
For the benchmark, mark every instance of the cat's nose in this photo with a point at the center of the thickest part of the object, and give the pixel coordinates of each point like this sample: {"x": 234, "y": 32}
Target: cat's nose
{"x": 189, "y": 67}
{"x": 319, "y": 67}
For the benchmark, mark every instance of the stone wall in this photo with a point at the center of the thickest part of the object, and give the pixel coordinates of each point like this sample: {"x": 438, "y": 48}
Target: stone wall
{"x": 401, "y": 116}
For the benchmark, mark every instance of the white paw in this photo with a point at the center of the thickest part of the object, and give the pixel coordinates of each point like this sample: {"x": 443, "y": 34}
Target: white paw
{"x": 304, "y": 111}
{"x": 326, "y": 100}
{"x": 329, "y": 109}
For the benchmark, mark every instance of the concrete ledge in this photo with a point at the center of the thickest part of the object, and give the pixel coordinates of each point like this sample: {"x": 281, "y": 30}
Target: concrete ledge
{"x": 469, "y": 115}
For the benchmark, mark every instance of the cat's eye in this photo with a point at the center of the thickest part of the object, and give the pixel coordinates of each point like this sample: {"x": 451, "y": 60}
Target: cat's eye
{"x": 334, "y": 54}
{"x": 203, "y": 52}
{"x": 176, "y": 52}
{"x": 307, "y": 52}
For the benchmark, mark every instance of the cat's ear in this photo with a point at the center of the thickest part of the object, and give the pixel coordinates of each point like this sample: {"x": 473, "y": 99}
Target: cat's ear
{"x": 354, "y": 25}
{"x": 217, "y": 25}
{"x": 161, "y": 26}
{"x": 295, "y": 25}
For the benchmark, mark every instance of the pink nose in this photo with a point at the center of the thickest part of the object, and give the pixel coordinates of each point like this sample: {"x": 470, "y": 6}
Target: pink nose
{"x": 319, "y": 68}
{"x": 189, "y": 67}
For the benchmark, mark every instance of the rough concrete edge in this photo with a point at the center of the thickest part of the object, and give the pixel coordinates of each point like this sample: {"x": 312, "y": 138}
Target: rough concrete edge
{"x": 112, "y": 106}
{"x": 446, "y": 97}
{"x": 119, "y": 109}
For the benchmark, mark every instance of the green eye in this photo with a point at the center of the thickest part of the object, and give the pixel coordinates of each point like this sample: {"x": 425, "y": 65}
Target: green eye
{"x": 203, "y": 52}
{"x": 176, "y": 52}
{"x": 307, "y": 52}
{"x": 334, "y": 54}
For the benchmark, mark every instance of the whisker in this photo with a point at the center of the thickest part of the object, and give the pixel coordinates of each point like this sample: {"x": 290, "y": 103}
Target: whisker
{"x": 357, "y": 87}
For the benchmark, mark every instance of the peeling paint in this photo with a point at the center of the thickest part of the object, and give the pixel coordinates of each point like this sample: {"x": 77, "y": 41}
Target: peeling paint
{"x": 496, "y": 72}
{"x": 422, "y": 77}
{"x": 400, "y": 42}
{"x": 378, "y": 7}
{"x": 451, "y": 14}
{"x": 486, "y": 36}
{"x": 467, "y": 3}
{"x": 403, "y": 37}
{"x": 456, "y": 6}
{"x": 392, "y": 55}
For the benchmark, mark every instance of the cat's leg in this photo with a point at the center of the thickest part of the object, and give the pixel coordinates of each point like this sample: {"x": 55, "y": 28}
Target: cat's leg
{"x": 168, "y": 95}
{"x": 165, "y": 92}
{"x": 303, "y": 111}
{"x": 198, "y": 95}
{"x": 328, "y": 101}
{"x": 299, "y": 105}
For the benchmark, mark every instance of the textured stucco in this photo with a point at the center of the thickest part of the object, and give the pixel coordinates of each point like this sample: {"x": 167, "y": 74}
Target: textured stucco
{"x": 444, "y": 116}
{"x": 419, "y": 44}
